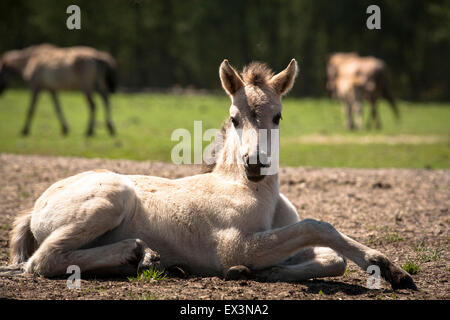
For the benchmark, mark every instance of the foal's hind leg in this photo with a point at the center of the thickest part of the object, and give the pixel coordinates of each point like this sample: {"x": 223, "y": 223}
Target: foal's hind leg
{"x": 309, "y": 263}
{"x": 56, "y": 253}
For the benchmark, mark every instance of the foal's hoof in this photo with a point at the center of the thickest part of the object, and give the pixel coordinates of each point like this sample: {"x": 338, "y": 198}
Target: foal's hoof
{"x": 397, "y": 277}
{"x": 238, "y": 273}
{"x": 401, "y": 279}
{"x": 150, "y": 259}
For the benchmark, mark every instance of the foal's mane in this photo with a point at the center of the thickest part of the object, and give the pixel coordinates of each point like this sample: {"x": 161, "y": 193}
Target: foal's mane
{"x": 257, "y": 74}
{"x": 216, "y": 146}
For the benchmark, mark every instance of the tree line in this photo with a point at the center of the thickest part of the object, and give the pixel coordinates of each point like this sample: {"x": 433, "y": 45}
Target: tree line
{"x": 180, "y": 42}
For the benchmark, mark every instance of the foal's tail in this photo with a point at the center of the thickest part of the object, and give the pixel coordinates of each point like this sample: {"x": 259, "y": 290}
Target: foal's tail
{"x": 22, "y": 241}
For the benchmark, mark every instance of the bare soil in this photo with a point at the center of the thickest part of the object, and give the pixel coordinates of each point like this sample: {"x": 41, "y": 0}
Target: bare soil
{"x": 402, "y": 213}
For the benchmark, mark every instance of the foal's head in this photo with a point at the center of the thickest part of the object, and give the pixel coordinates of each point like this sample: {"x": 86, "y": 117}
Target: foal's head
{"x": 256, "y": 111}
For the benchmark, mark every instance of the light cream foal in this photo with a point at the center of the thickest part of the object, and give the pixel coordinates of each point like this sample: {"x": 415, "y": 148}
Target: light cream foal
{"x": 209, "y": 224}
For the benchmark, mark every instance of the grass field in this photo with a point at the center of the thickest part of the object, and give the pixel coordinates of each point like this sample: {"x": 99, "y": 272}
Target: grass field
{"x": 312, "y": 130}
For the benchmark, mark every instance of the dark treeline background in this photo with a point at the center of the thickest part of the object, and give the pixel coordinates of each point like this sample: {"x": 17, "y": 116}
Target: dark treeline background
{"x": 180, "y": 42}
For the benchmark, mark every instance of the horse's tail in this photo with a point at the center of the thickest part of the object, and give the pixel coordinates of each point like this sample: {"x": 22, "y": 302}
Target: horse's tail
{"x": 108, "y": 64}
{"x": 383, "y": 84}
{"x": 22, "y": 241}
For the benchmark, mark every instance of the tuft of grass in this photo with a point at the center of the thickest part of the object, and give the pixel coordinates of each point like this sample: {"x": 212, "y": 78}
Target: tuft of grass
{"x": 426, "y": 254}
{"x": 149, "y": 275}
{"x": 411, "y": 267}
{"x": 347, "y": 272}
{"x": 25, "y": 194}
{"x": 6, "y": 227}
{"x": 393, "y": 237}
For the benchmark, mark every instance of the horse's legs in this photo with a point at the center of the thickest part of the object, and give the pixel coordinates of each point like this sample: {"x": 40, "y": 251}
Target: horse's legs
{"x": 270, "y": 248}
{"x": 309, "y": 263}
{"x": 30, "y": 113}
{"x": 109, "y": 122}
{"x": 91, "y": 124}
{"x": 375, "y": 117}
{"x": 349, "y": 115}
{"x": 59, "y": 113}
{"x": 359, "y": 114}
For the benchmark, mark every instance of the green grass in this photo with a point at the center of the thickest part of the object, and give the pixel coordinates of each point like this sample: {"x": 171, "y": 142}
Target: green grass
{"x": 411, "y": 267}
{"x": 145, "y": 123}
{"x": 149, "y": 275}
{"x": 393, "y": 237}
{"x": 425, "y": 254}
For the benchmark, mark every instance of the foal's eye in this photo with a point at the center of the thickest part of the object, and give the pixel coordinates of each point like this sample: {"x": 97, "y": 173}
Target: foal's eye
{"x": 234, "y": 121}
{"x": 277, "y": 118}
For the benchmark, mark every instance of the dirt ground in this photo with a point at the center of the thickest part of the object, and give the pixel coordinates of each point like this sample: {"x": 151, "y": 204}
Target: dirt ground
{"x": 402, "y": 213}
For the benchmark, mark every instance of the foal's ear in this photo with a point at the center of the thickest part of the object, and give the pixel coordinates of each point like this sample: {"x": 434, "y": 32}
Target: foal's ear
{"x": 284, "y": 81}
{"x": 231, "y": 81}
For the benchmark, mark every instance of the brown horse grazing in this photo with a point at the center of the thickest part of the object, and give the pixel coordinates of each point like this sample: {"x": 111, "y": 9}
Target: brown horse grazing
{"x": 47, "y": 67}
{"x": 352, "y": 78}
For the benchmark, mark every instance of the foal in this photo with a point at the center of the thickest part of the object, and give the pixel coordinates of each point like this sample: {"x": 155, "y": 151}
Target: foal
{"x": 207, "y": 224}
{"x": 46, "y": 67}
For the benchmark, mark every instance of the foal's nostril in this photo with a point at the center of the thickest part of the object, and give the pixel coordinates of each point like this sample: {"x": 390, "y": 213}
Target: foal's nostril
{"x": 263, "y": 160}
{"x": 246, "y": 159}
{"x": 257, "y": 160}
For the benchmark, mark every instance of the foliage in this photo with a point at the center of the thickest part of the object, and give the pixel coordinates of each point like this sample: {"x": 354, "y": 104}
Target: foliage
{"x": 175, "y": 42}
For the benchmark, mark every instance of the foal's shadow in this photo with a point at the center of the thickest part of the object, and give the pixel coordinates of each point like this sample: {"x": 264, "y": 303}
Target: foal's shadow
{"x": 328, "y": 287}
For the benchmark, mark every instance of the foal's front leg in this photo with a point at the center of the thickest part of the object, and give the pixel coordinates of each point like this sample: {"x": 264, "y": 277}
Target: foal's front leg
{"x": 270, "y": 248}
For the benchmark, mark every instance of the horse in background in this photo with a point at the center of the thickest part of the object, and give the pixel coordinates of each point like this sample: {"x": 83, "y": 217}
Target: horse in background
{"x": 352, "y": 78}
{"x": 47, "y": 67}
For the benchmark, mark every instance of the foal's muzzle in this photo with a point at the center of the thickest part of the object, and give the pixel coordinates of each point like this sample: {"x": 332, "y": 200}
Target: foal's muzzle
{"x": 254, "y": 164}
